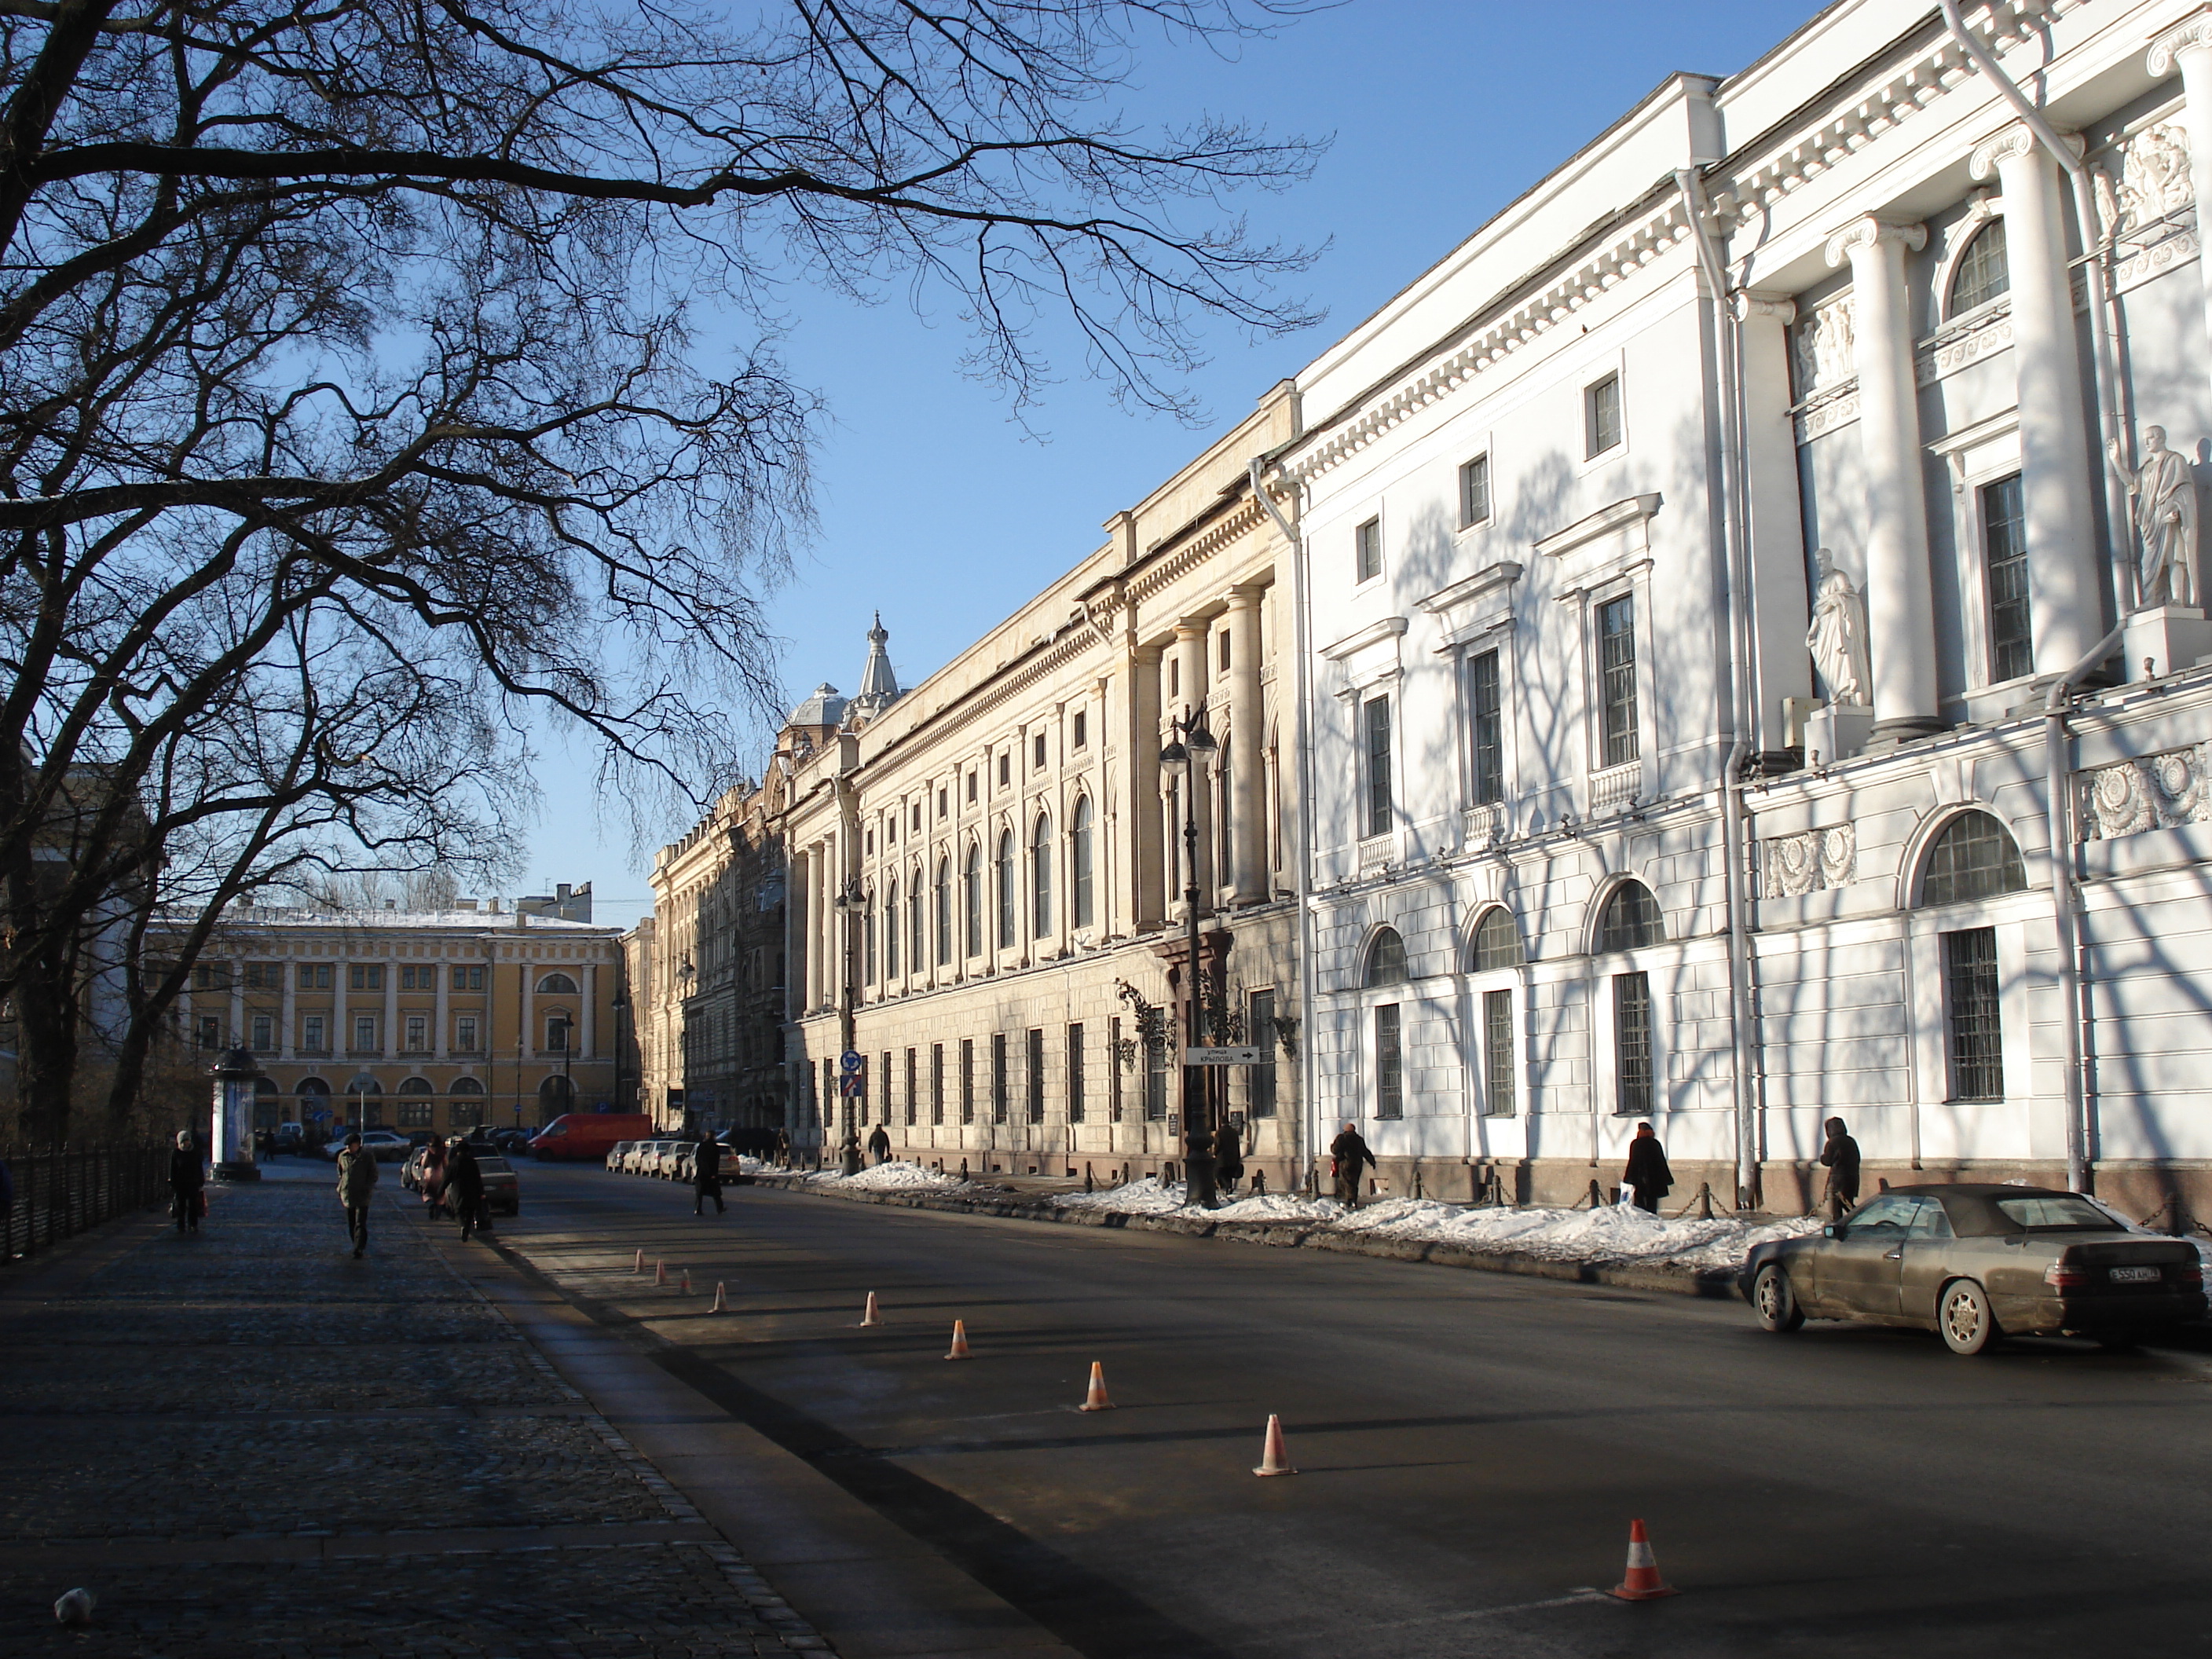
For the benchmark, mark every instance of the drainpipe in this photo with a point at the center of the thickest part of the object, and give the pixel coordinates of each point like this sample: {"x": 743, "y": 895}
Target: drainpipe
{"x": 2064, "y": 896}
{"x": 1735, "y": 850}
{"x": 2093, "y": 260}
{"x": 1308, "y": 1085}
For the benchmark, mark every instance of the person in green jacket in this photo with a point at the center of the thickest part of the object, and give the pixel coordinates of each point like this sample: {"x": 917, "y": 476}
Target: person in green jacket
{"x": 356, "y": 1180}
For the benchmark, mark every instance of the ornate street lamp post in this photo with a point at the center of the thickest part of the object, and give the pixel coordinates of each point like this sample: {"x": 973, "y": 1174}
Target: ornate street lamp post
{"x": 851, "y": 899}
{"x": 1189, "y": 758}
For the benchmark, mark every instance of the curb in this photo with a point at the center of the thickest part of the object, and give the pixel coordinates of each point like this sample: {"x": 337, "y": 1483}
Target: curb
{"x": 1714, "y": 1283}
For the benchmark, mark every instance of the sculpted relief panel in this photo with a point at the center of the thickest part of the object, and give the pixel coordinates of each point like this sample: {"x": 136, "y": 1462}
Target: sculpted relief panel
{"x": 1793, "y": 866}
{"x": 2154, "y": 792}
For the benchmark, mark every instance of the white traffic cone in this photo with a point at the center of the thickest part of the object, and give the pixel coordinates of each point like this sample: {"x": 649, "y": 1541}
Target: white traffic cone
{"x": 638, "y": 1265}
{"x": 869, "y": 1317}
{"x": 660, "y": 1272}
{"x": 1274, "y": 1458}
{"x": 721, "y": 1302}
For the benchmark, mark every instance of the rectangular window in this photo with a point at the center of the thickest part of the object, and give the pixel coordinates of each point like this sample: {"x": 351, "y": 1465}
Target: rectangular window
{"x": 210, "y": 1035}
{"x": 1485, "y": 721}
{"x": 1497, "y": 1052}
{"x": 940, "y": 803}
{"x": 1006, "y": 769}
{"x": 998, "y": 1077}
{"x": 418, "y": 1033}
{"x": 1261, "y": 1022}
{"x": 913, "y": 1078}
{"x": 464, "y": 1034}
{"x": 1156, "y": 1078}
{"x": 1079, "y": 737}
{"x": 1616, "y": 669}
{"x": 1376, "y": 720}
{"x": 1075, "y": 1073}
{"x": 971, "y": 789}
{"x": 364, "y": 1033}
{"x": 212, "y": 976}
{"x": 937, "y": 1083}
{"x": 365, "y": 976}
{"x": 1631, "y": 1044}
{"x": 1390, "y": 1064}
{"x": 1225, "y": 650}
{"x": 265, "y": 975}
{"x": 414, "y": 1113}
{"x": 1114, "y": 1070}
{"x": 1036, "y": 761}
{"x": 557, "y": 1033}
{"x": 1601, "y": 415}
{"x": 468, "y": 979}
{"x": 883, "y": 1090}
{"x": 465, "y": 1114}
{"x": 2004, "y": 546}
{"x": 1970, "y": 985}
{"x": 312, "y": 1036}
{"x": 967, "y": 1079}
{"x": 1474, "y": 492}
{"x": 314, "y": 976}
{"x": 1367, "y": 549}
{"x": 264, "y": 1034}
{"x": 1037, "y": 1076}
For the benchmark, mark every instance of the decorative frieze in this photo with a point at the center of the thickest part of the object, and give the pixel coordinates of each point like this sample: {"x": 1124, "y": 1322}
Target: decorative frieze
{"x": 1810, "y": 862}
{"x": 2151, "y": 792}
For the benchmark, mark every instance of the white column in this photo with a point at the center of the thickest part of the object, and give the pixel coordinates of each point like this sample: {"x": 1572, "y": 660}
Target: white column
{"x": 239, "y": 1034}
{"x": 341, "y": 1033}
{"x": 1776, "y": 529}
{"x": 588, "y": 1025}
{"x": 1193, "y": 645}
{"x": 2065, "y": 602}
{"x": 1248, "y": 772}
{"x": 1140, "y": 804}
{"x": 391, "y": 1009}
{"x": 286, "y": 1044}
{"x": 1899, "y": 593}
{"x": 441, "y": 1043}
{"x": 2188, "y": 45}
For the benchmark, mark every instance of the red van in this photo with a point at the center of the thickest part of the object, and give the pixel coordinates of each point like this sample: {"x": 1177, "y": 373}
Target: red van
{"x": 588, "y": 1134}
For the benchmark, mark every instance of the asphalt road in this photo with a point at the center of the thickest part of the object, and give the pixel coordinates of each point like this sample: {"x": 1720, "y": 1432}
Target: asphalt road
{"x": 1471, "y": 1447}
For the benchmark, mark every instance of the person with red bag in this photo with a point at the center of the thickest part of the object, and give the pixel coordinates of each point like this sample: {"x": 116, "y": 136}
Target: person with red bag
{"x": 187, "y": 1184}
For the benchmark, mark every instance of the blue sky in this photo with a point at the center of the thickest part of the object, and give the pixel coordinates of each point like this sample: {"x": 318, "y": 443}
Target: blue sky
{"x": 943, "y": 512}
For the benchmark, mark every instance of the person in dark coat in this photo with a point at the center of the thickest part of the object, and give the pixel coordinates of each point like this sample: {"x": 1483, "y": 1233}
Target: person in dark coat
{"x": 707, "y": 1177}
{"x": 1647, "y": 1175}
{"x": 1348, "y": 1158}
{"x": 463, "y": 1188}
{"x": 1228, "y": 1156}
{"x": 357, "y": 1187}
{"x": 1840, "y": 1158}
{"x": 187, "y": 1182}
{"x": 880, "y": 1145}
{"x": 783, "y": 1149}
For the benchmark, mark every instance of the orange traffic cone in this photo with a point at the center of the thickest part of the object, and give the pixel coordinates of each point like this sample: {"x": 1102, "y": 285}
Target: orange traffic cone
{"x": 1274, "y": 1459}
{"x": 1096, "y": 1401}
{"x": 722, "y": 1301}
{"x": 959, "y": 1340}
{"x": 637, "y": 1266}
{"x": 871, "y": 1316}
{"x": 1642, "y": 1582}
{"x": 660, "y": 1272}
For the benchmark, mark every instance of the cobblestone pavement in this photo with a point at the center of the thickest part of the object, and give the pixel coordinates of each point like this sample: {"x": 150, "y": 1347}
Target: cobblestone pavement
{"x": 248, "y": 1443}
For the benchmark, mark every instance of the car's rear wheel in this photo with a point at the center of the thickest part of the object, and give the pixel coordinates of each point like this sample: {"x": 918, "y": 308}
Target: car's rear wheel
{"x": 1774, "y": 1301}
{"x": 1963, "y": 1316}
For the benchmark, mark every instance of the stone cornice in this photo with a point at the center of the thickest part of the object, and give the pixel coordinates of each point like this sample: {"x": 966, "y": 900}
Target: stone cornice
{"x": 1633, "y": 509}
{"x": 1374, "y": 634}
{"x": 2193, "y": 32}
{"x": 1467, "y": 588}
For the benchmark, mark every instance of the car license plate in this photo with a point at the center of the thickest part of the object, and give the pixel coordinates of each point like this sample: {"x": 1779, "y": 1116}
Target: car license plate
{"x": 2135, "y": 1275}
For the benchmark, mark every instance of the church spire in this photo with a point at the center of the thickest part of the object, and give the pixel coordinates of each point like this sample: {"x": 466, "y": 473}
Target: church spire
{"x": 879, "y": 687}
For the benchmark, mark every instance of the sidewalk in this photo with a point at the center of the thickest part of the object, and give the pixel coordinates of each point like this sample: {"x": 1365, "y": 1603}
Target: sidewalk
{"x": 248, "y": 1443}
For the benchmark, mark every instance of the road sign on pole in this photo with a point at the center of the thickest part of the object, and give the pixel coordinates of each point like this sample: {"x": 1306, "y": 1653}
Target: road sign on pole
{"x": 851, "y": 1061}
{"x": 1222, "y": 1056}
{"x": 853, "y": 1086}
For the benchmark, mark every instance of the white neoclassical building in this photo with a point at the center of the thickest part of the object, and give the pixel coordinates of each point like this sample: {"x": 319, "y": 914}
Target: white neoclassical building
{"x": 1729, "y": 576}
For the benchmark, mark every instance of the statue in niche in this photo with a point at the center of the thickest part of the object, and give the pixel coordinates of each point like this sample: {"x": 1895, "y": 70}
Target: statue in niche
{"x": 2164, "y": 491}
{"x": 1838, "y": 638}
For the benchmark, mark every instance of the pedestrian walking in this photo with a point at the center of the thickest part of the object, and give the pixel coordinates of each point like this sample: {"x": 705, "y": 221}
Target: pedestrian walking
{"x": 356, "y": 1180}
{"x": 1840, "y": 1158}
{"x": 707, "y": 1177}
{"x": 464, "y": 1188}
{"x": 880, "y": 1145}
{"x": 187, "y": 1184}
{"x": 1228, "y": 1156}
{"x": 1647, "y": 1176}
{"x": 433, "y": 1177}
{"x": 783, "y": 1148}
{"x": 1348, "y": 1158}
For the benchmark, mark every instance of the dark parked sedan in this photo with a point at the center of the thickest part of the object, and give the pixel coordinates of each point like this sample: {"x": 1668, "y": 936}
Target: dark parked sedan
{"x": 1973, "y": 1263}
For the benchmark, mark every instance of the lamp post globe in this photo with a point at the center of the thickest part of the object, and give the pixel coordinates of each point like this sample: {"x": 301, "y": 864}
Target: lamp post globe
{"x": 235, "y": 1075}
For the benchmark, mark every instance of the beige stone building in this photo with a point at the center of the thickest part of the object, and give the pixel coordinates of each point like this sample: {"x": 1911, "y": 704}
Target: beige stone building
{"x": 987, "y": 871}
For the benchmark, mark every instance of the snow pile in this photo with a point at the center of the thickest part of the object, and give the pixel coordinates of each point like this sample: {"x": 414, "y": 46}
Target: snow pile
{"x": 887, "y": 1178}
{"x": 1620, "y": 1233}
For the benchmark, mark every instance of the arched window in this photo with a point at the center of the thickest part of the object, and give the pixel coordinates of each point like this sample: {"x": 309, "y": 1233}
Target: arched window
{"x": 1040, "y": 878}
{"x": 1007, "y": 907}
{"x": 914, "y": 908}
{"x": 892, "y": 933}
{"x": 1079, "y": 861}
{"x": 467, "y": 1108}
{"x": 1632, "y": 920}
{"x": 1386, "y": 960}
{"x": 467, "y": 1085}
{"x": 1973, "y": 857}
{"x": 972, "y": 878}
{"x": 943, "y": 896}
{"x": 1496, "y": 944}
{"x": 417, "y": 1085}
{"x": 1983, "y": 272}
{"x": 559, "y": 985}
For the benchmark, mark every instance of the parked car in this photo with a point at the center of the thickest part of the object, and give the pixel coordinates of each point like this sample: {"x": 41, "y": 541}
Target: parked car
{"x": 648, "y": 1161}
{"x": 290, "y": 1137}
{"x": 618, "y": 1152}
{"x": 503, "y": 1186}
{"x": 676, "y": 1166}
{"x": 1975, "y": 1263}
{"x": 511, "y": 1143}
{"x": 384, "y": 1145}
